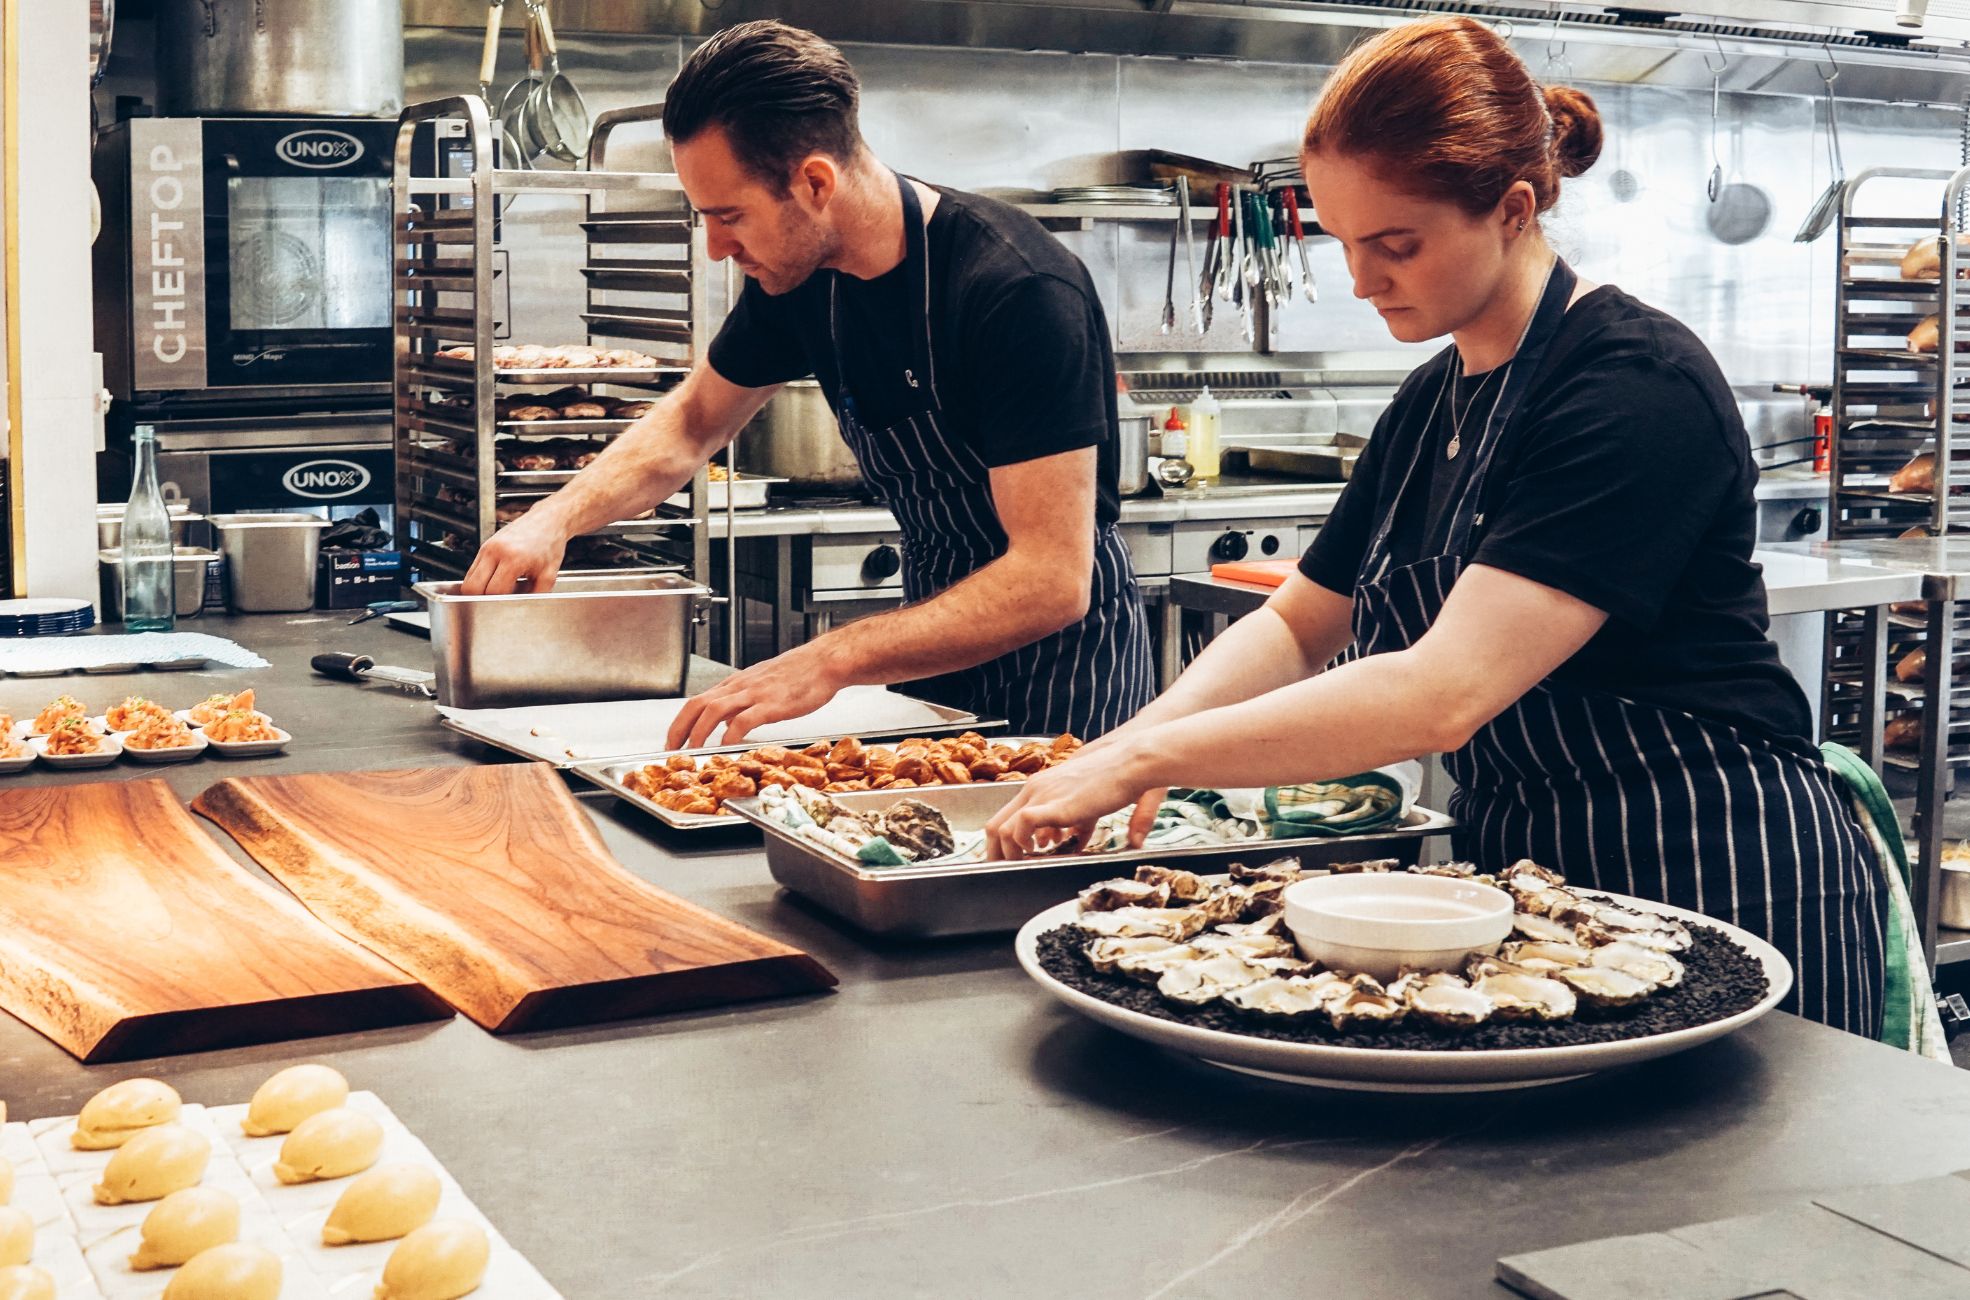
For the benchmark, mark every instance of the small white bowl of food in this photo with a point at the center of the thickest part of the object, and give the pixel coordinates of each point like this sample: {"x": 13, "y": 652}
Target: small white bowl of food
{"x": 163, "y": 739}
{"x": 43, "y": 723}
{"x": 76, "y": 742}
{"x": 15, "y": 756}
{"x": 214, "y": 707}
{"x": 130, "y": 715}
{"x": 244, "y": 733}
{"x": 1384, "y": 923}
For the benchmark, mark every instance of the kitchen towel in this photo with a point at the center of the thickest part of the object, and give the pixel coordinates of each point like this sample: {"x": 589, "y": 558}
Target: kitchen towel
{"x": 79, "y": 653}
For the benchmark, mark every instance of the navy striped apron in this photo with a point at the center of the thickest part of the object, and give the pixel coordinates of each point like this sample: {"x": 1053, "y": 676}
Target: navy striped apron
{"x": 1635, "y": 798}
{"x": 1087, "y": 678}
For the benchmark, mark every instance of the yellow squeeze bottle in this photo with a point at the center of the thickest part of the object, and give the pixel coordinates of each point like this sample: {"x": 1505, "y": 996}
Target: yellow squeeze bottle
{"x": 1204, "y": 427}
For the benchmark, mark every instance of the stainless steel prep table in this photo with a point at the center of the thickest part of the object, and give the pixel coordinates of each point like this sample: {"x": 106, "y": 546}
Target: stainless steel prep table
{"x": 937, "y": 1127}
{"x": 1943, "y": 566}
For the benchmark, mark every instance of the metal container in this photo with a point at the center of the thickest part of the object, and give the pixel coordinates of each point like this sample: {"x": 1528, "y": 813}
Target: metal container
{"x": 796, "y": 437}
{"x": 188, "y": 566}
{"x": 335, "y": 58}
{"x": 1955, "y": 911}
{"x": 934, "y": 901}
{"x": 270, "y": 560}
{"x": 1132, "y": 447}
{"x": 109, "y": 526}
{"x": 594, "y": 637}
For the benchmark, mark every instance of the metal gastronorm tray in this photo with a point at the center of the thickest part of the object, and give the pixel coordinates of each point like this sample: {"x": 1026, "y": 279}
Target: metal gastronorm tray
{"x": 609, "y": 775}
{"x": 933, "y": 901}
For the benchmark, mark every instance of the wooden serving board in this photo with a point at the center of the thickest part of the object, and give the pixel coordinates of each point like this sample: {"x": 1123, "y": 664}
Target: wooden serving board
{"x": 126, "y": 931}
{"x": 491, "y": 885}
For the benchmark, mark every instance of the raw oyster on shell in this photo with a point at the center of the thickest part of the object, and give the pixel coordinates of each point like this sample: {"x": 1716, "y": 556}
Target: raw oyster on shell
{"x": 1209, "y": 978}
{"x": 1527, "y": 997}
{"x": 1173, "y": 923}
{"x": 1288, "y": 995}
{"x": 1108, "y": 895}
{"x": 917, "y": 830}
{"x": 1442, "y": 999}
{"x": 1285, "y": 870}
{"x": 1252, "y": 947}
{"x": 1183, "y": 886}
{"x": 1372, "y": 865}
{"x": 1365, "y": 1002}
{"x": 1542, "y": 929}
{"x": 1658, "y": 969}
{"x": 1604, "y": 986}
{"x": 1139, "y": 955}
{"x": 1538, "y": 955}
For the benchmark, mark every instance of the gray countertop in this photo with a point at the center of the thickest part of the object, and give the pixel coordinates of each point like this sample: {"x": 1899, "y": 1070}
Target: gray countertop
{"x": 1311, "y": 502}
{"x": 936, "y": 1126}
{"x": 1800, "y": 578}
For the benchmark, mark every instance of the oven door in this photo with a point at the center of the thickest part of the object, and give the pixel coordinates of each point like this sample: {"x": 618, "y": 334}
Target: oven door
{"x": 297, "y": 253}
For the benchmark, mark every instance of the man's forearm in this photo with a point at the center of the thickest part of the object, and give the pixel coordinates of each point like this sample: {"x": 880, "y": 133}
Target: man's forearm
{"x": 988, "y": 614}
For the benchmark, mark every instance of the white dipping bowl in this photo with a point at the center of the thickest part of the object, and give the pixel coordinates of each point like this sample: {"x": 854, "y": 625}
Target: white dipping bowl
{"x": 1381, "y": 923}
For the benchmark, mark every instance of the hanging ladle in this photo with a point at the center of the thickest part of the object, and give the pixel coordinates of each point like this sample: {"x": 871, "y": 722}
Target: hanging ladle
{"x": 1715, "y": 187}
{"x": 1828, "y": 207}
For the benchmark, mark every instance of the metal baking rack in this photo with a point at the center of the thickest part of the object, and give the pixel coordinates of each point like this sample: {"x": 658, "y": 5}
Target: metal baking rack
{"x": 1886, "y": 400}
{"x": 646, "y": 273}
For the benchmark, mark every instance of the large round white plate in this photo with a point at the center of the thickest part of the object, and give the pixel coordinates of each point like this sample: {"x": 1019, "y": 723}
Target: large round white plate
{"x": 1407, "y": 1070}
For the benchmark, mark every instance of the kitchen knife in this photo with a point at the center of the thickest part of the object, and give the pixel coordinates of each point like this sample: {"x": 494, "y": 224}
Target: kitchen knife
{"x": 362, "y": 668}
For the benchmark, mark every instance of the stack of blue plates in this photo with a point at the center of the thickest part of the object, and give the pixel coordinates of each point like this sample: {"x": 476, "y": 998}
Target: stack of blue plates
{"x": 45, "y": 616}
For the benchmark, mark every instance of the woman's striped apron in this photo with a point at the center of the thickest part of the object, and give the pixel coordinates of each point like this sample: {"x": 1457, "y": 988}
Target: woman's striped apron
{"x": 1639, "y": 799}
{"x": 1088, "y": 678}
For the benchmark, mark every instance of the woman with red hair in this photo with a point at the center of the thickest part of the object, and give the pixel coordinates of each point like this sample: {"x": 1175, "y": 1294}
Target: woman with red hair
{"x": 1542, "y": 563}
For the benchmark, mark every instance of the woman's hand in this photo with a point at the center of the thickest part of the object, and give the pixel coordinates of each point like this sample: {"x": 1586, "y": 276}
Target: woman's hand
{"x": 1060, "y": 806}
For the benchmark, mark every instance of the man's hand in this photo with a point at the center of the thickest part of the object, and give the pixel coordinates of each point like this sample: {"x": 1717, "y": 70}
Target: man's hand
{"x": 527, "y": 550}
{"x": 797, "y": 682}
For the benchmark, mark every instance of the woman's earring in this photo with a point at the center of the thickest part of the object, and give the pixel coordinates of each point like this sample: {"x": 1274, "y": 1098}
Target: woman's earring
{"x": 1521, "y": 225}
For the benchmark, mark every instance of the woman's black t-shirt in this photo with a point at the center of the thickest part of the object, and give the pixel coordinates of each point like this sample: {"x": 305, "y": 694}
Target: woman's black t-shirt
{"x": 1625, "y": 480}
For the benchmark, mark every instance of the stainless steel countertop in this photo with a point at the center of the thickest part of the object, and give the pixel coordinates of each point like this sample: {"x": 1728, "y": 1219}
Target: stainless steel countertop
{"x": 1943, "y": 563}
{"x": 1310, "y": 503}
{"x": 937, "y": 1126}
{"x": 1799, "y": 579}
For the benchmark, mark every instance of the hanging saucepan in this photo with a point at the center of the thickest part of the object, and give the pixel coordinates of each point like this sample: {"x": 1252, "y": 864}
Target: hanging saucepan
{"x": 557, "y": 115}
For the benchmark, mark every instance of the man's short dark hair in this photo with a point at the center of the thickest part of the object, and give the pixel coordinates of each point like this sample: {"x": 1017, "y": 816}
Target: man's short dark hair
{"x": 779, "y": 93}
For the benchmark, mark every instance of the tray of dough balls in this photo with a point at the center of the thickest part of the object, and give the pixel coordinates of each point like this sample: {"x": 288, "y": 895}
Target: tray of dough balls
{"x": 66, "y": 734}
{"x": 689, "y": 789}
{"x": 307, "y": 1192}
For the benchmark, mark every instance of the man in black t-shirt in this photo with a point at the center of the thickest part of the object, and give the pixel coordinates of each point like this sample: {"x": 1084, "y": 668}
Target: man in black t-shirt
{"x": 967, "y": 358}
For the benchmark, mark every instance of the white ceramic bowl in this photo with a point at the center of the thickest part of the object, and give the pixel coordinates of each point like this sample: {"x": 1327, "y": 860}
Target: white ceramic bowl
{"x": 1379, "y": 923}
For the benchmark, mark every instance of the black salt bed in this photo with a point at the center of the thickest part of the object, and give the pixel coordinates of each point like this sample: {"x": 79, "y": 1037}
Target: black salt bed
{"x": 1720, "y": 979}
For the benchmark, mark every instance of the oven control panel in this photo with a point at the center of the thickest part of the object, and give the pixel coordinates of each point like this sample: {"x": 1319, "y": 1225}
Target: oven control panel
{"x": 1197, "y": 546}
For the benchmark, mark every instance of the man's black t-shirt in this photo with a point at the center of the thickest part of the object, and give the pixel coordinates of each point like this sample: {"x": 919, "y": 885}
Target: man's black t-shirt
{"x": 1625, "y": 480}
{"x": 1024, "y": 367}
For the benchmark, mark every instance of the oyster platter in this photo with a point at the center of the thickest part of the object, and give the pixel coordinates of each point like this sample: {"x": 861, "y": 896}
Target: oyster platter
{"x": 1585, "y": 981}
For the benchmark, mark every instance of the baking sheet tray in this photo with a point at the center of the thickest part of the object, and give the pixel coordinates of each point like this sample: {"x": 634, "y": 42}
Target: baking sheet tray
{"x": 934, "y": 901}
{"x": 750, "y": 494}
{"x": 1324, "y": 463}
{"x": 568, "y": 735}
{"x": 609, "y": 776}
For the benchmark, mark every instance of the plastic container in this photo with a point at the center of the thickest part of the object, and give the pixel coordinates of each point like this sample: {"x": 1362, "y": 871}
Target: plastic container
{"x": 1206, "y": 428}
{"x": 270, "y": 560}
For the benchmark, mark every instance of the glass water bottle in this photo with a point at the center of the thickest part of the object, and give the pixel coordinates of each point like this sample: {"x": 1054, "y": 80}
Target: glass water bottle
{"x": 149, "y": 598}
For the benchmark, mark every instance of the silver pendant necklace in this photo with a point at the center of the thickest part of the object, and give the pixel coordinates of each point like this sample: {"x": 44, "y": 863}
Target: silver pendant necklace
{"x": 1457, "y": 422}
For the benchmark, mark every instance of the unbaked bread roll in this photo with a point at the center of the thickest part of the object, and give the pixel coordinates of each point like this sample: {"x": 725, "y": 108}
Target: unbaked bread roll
{"x": 113, "y": 1115}
{"x": 333, "y": 1144}
{"x": 440, "y": 1261}
{"x": 154, "y": 1164}
{"x": 16, "y": 1236}
{"x": 1926, "y": 336}
{"x": 1919, "y": 475}
{"x": 236, "y": 1271}
{"x": 184, "y": 1224}
{"x": 292, "y": 1096}
{"x": 383, "y": 1205}
{"x": 26, "y": 1282}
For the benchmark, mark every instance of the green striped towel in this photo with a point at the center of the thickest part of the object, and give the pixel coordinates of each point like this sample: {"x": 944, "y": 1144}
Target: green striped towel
{"x": 1371, "y": 801}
